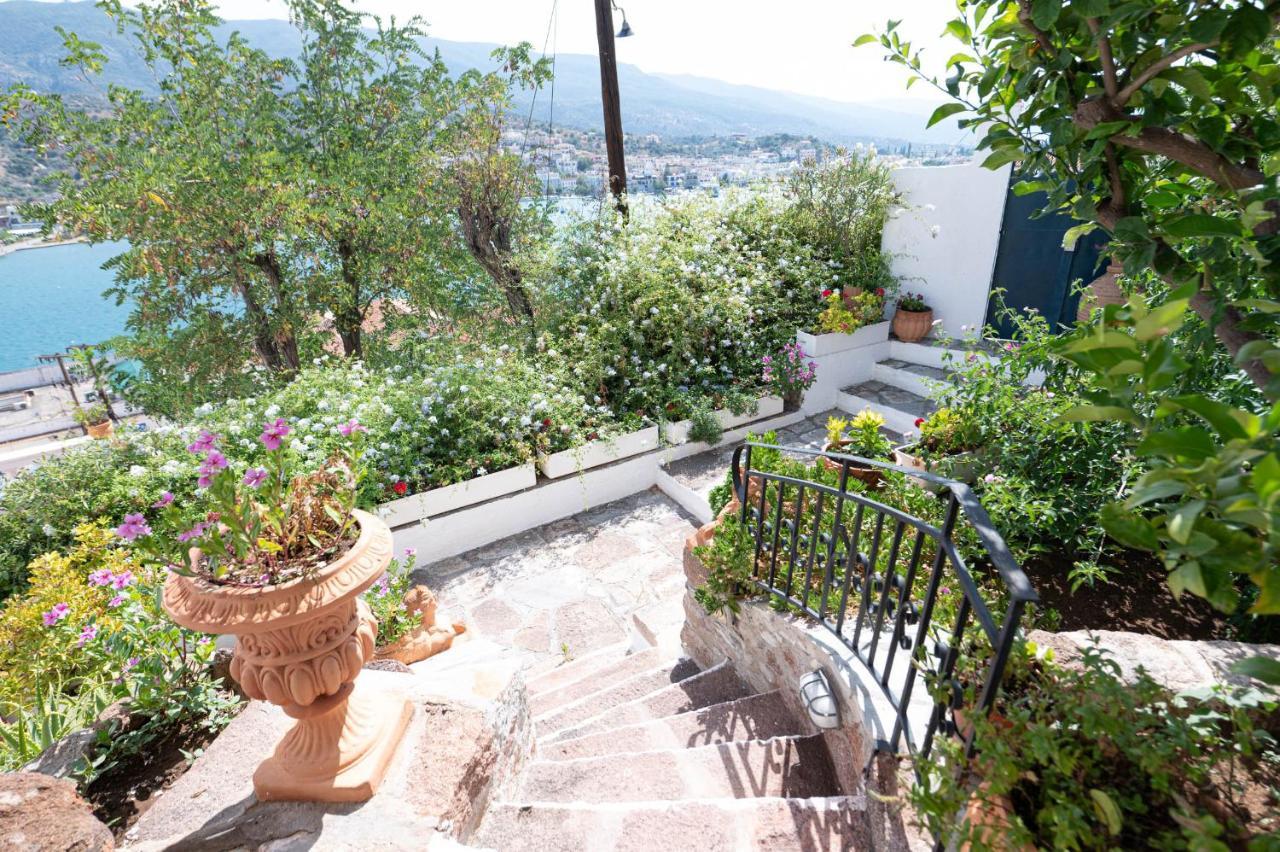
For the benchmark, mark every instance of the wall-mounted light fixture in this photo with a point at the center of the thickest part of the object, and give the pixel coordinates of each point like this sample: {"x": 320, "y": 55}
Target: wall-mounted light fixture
{"x": 625, "y": 29}
{"x": 820, "y": 700}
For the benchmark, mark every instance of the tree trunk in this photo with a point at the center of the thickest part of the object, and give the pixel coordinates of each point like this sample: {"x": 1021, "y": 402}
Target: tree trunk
{"x": 264, "y": 342}
{"x": 284, "y": 340}
{"x": 489, "y": 241}
{"x": 348, "y": 318}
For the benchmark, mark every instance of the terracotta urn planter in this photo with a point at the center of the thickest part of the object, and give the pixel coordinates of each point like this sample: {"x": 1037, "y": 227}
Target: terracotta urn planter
{"x": 872, "y": 476}
{"x": 425, "y": 639}
{"x": 1102, "y": 291}
{"x": 912, "y": 326}
{"x": 301, "y": 645}
{"x": 99, "y": 431}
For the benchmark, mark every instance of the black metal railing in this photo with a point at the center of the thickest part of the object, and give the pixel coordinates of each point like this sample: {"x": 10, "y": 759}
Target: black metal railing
{"x": 858, "y": 568}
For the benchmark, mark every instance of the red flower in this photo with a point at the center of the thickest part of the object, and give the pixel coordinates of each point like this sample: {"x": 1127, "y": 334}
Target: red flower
{"x": 919, "y": 422}
{"x": 879, "y": 291}
{"x": 400, "y": 487}
{"x": 826, "y": 294}
{"x": 546, "y": 422}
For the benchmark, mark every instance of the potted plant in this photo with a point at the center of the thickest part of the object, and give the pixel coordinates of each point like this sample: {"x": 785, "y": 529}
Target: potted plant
{"x": 913, "y": 319}
{"x": 861, "y": 436}
{"x": 948, "y": 446}
{"x": 406, "y": 615}
{"x": 280, "y": 560}
{"x": 789, "y": 374}
{"x": 851, "y": 309}
{"x": 95, "y": 420}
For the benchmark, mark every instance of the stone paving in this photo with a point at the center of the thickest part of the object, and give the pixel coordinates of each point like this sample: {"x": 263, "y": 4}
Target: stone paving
{"x": 893, "y": 397}
{"x": 571, "y": 586}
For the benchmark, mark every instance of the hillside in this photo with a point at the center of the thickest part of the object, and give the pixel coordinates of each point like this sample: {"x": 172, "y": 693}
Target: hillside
{"x": 672, "y": 106}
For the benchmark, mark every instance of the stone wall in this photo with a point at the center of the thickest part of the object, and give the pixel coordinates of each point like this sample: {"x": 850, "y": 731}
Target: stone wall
{"x": 772, "y": 651}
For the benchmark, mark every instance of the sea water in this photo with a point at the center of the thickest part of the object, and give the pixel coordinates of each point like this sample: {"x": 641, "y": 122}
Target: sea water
{"x": 51, "y": 298}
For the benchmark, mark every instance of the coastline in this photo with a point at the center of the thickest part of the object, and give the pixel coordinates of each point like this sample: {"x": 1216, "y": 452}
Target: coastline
{"x": 38, "y": 243}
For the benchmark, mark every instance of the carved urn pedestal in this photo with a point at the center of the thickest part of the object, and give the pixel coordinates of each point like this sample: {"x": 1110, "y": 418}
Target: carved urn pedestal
{"x": 301, "y": 645}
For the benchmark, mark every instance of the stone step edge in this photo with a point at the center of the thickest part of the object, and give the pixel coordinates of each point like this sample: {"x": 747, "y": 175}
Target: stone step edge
{"x": 615, "y": 652}
{"x": 542, "y": 717}
{"x": 541, "y": 695}
{"x": 693, "y": 752}
{"x": 554, "y": 736}
{"x": 709, "y": 707}
{"x": 895, "y": 418}
{"x": 858, "y": 801}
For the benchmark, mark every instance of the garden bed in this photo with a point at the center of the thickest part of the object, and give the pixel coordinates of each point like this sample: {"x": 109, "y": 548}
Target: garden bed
{"x": 437, "y": 501}
{"x": 1137, "y": 600}
{"x": 597, "y": 453}
{"x": 819, "y": 345}
{"x": 674, "y": 434}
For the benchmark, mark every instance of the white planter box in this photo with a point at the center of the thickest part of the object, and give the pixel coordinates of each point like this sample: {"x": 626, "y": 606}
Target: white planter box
{"x": 437, "y": 501}
{"x": 677, "y": 433}
{"x": 962, "y": 466}
{"x": 818, "y": 345}
{"x": 596, "y": 453}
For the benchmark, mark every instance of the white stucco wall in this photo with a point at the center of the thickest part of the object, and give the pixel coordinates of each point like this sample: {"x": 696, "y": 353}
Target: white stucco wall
{"x": 944, "y": 240}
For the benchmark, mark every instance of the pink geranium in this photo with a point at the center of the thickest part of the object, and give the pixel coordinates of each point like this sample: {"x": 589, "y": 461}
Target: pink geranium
{"x": 134, "y": 525}
{"x": 273, "y": 434}
{"x": 206, "y": 442}
{"x": 255, "y": 476}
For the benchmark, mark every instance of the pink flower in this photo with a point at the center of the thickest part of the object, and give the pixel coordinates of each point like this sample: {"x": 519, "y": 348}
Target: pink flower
{"x": 131, "y": 662}
{"x": 410, "y": 552}
{"x": 213, "y": 462}
{"x": 193, "y": 533}
{"x": 134, "y": 525}
{"x": 255, "y": 476}
{"x": 165, "y": 499}
{"x": 350, "y": 428}
{"x": 204, "y": 443}
{"x": 56, "y": 614}
{"x": 274, "y": 433}
{"x": 87, "y": 635}
{"x": 122, "y": 581}
{"x": 101, "y": 577}
{"x": 118, "y": 600}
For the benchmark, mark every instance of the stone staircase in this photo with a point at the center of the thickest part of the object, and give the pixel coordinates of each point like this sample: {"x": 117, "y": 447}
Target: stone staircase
{"x": 645, "y": 751}
{"x": 902, "y": 387}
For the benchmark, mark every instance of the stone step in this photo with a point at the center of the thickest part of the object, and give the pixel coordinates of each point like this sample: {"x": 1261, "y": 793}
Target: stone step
{"x": 899, "y": 408}
{"x": 938, "y": 353}
{"x": 716, "y": 685}
{"x": 793, "y": 767}
{"x": 569, "y": 671}
{"x": 724, "y": 825}
{"x": 597, "y": 701}
{"x": 646, "y": 660}
{"x": 919, "y": 379}
{"x": 757, "y": 717}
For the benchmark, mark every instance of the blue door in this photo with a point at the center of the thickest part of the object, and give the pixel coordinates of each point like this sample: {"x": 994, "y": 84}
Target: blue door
{"x": 1033, "y": 269}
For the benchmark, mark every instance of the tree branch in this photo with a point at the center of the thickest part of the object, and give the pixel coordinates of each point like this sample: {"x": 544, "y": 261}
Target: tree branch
{"x": 1042, "y": 39}
{"x": 1109, "y": 80}
{"x": 1122, "y": 97}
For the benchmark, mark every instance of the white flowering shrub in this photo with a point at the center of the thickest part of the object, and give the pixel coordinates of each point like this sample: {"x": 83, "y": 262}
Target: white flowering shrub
{"x": 679, "y": 306}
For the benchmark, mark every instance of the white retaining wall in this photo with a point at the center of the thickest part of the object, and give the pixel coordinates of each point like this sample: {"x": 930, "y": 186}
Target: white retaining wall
{"x": 944, "y": 241}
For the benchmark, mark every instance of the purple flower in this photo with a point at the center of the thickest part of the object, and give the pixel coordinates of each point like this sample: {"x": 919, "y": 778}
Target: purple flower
{"x": 56, "y": 614}
{"x": 122, "y": 581}
{"x": 255, "y": 476}
{"x": 87, "y": 634}
{"x": 193, "y": 533}
{"x": 350, "y": 428}
{"x": 134, "y": 525}
{"x": 131, "y": 662}
{"x": 274, "y": 433}
{"x": 410, "y": 552}
{"x": 165, "y": 499}
{"x": 118, "y": 600}
{"x": 101, "y": 577}
{"x": 213, "y": 462}
{"x": 204, "y": 443}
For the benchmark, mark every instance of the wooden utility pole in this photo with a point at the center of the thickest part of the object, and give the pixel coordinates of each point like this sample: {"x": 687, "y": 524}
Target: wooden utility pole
{"x": 612, "y": 109}
{"x": 66, "y": 377}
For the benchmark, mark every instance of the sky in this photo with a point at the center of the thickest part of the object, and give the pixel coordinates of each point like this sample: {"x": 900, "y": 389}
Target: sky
{"x": 794, "y": 45}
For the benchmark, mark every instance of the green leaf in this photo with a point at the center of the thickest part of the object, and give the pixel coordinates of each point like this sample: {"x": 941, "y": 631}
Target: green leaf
{"x": 1149, "y": 489}
{"x": 1002, "y": 157}
{"x": 1086, "y": 413}
{"x": 1107, "y": 129}
{"x": 1128, "y": 528}
{"x": 865, "y": 38}
{"x": 1044, "y": 13}
{"x": 1106, "y": 810}
{"x": 1074, "y": 233}
{"x": 1191, "y": 80}
{"x": 943, "y": 111}
{"x": 1264, "y": 669}
{"x": 1162, "y": 321}
{"x": 1249, "y": 27}
{"x": 1228, "y": 422}
{"x": 1091, "y": 8}
{"x": 1200, "y": 225}
{"x": 1185, "y": 442}
{"x": 1183, "y": 520}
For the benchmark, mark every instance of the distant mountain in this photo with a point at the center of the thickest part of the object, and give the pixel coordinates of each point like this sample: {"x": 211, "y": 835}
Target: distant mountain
{"x": 670, "y": 105}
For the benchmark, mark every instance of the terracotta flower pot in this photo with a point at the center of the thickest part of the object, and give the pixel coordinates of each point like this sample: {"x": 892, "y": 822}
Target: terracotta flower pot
{"x": 912, "y": 326}
{"x": 301, "y": 646}
{"x": 98, "y": 431}
{"x": 872, "y": 476}
{"x": 424, "y": 639}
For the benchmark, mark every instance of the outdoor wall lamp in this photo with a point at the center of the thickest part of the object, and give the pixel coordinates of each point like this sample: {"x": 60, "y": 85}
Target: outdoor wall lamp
{"x": 625, "y": 29}
{"x": 819, "y": 700}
